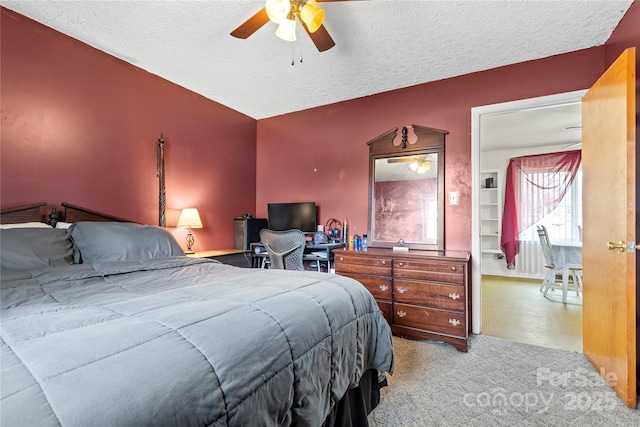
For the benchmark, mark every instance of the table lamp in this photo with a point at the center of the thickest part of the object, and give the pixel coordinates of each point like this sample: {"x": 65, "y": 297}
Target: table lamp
{"x": 189, "y": 218}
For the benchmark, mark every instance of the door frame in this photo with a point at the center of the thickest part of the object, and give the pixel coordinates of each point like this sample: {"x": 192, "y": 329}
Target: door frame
{"x": 476, "y": 139}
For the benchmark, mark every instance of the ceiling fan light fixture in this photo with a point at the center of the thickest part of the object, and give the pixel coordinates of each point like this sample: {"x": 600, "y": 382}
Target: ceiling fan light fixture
{"x": 277, "y": 10}
{"x": 312, "y": 15}
{"x": 287, "y": 30}
{"x": 420, "y": 165}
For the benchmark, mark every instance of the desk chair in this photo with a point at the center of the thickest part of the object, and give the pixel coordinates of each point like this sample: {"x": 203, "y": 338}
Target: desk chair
{"x": 285, "y": 248}
{"x": 556, "y": 272}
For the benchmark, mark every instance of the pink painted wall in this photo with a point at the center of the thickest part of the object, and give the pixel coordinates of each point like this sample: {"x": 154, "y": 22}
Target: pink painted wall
{"x": 81, "y": 126}
{"x": 323, "y": 155}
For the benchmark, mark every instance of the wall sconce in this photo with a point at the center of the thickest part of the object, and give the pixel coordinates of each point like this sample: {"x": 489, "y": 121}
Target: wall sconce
{"x": 189, "y": 218}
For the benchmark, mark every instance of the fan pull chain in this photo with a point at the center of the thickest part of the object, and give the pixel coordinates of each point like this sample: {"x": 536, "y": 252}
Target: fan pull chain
{"x": 292, "y": 45}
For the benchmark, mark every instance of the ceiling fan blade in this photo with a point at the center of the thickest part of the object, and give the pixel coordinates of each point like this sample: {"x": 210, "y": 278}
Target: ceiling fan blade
{"x": 420, "y": 158}
{"x": 251, "y": 25}
{"x": 401, "y": 159}
{"x": 320, "y": 37}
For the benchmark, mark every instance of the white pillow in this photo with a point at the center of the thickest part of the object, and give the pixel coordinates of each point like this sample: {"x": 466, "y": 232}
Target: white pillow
{"x": 25, "y": 225}
{"x": 64, "y": 225}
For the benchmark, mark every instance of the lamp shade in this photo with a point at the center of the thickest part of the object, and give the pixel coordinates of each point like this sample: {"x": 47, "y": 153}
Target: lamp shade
{"x": 189, "y": 218}
{"x": 287, "y": 30}
{"x": 277, "y": 10}
{"x": 312, "y": 16}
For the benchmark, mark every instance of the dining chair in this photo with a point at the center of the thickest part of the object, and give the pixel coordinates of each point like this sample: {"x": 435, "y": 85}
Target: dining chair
{"x": 285, "y": 248}
{"x": 557, "y": 276}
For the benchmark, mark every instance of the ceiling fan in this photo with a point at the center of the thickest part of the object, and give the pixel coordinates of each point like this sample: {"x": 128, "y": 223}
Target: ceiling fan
{"x": 285, "y": 13}
{"x": 419, "y": 164}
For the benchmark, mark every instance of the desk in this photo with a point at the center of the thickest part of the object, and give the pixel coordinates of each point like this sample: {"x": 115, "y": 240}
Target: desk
{"x": 259, "y": 255}
{"x": 567, "y": 253}
{"x": 321, "y": 252}
{"x": 318, "y": 253}
{"x": 237, "y": 257}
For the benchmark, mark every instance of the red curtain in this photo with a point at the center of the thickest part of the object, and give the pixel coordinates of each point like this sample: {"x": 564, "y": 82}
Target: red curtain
{"x": 541, "y": 181}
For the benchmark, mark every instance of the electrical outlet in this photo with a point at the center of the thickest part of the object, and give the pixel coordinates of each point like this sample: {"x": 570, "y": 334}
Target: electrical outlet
{"x": 453, "y": 198}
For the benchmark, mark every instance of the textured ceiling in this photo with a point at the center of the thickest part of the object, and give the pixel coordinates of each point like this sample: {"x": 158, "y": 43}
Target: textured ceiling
{"x": 380, "y": 45}
{"x": 535, "y": 127}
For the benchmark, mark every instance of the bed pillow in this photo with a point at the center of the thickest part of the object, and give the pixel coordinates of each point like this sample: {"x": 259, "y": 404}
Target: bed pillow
{"x": 28, "y": 248}
{"x": 122, "y": 241}
{"x": 25, "y": 225}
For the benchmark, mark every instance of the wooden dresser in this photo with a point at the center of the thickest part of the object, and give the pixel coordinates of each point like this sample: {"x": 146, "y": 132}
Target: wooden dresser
{"x": 422, "y": 294}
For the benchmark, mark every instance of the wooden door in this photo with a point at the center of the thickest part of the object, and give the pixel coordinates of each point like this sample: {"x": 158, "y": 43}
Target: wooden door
{"x": 609, "y": 214}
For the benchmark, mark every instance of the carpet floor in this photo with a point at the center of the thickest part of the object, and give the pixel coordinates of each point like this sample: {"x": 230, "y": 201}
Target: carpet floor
{"x": 497, "y": 383}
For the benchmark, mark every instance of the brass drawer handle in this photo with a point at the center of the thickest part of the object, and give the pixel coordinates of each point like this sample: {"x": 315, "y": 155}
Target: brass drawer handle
{"x": 402, "y": 313}
{"x": 384, "y": 262}
{"x": 401, "y": 264}
{"x": 453, "y": 268}
{"x": 454, "y": 296}
{"x": 341, "y": 259}
{"x": 402, "y": 290}
{"x": 454, "y": 322}
{"x": 384, "y": 288}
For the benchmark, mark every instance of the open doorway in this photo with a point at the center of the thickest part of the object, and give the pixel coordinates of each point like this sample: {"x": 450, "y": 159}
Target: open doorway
{"x": 500, "y": 132}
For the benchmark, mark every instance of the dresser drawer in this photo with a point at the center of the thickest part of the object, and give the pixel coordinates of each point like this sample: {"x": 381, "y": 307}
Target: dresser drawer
{"x": 380, "y": 287}
{"x": 430, "y": 319}
{"x": 428, "y": 293}
{"x": 427, "y": 270}
{"x": 362, "y": 264}
{"x": 386, "y": 308}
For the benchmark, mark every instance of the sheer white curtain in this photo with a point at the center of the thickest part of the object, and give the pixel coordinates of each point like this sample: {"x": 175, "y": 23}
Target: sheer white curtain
{"x": 534, "y": 187}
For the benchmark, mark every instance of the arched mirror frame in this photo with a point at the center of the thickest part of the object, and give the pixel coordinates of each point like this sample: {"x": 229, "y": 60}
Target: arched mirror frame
{"x": 428, "y": 141}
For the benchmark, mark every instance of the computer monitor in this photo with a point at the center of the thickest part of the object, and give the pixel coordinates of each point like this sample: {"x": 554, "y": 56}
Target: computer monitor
{"x": 287, "y": 216}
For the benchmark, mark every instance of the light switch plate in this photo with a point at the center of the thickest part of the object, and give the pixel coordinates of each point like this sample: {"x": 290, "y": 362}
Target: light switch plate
{"x": 453, "y": 198}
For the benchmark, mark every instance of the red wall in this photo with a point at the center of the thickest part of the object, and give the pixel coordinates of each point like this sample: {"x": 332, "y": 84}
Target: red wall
{"x": 325, "y": 150}
{"x": 324, "y": 156}
{"x": 81, "y": 126}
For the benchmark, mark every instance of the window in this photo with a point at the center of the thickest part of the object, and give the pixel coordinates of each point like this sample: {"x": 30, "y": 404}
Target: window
{"x": 564, "y": 221}
{"x": 534, "y": 187}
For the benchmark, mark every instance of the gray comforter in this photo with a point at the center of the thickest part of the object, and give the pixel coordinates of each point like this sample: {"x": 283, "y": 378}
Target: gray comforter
{"x": 182, "y": 341}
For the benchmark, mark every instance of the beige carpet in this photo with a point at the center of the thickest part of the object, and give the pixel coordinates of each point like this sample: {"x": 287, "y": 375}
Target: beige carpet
{"x": 516, "y": 310}
{"x": 497, "y": 383}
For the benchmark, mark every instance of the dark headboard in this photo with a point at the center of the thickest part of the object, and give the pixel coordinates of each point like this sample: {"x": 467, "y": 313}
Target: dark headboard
{"x": 26, "y": 213}
{"x": 73, "y": 213}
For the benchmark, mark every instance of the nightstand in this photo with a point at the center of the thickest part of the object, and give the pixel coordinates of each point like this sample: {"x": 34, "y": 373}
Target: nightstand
{"x": 236, "y": 257}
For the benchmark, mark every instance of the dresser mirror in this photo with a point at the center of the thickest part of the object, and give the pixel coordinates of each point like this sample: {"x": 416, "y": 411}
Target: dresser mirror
{"x": 406, "y": 188}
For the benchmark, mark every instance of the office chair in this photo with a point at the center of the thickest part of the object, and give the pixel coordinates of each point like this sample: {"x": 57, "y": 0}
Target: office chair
{"x": 285, "y": 248}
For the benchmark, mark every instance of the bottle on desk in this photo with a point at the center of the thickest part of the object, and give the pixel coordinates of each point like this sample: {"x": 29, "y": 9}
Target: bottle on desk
{"x": 357, "y": 243}
{"x": 345, "y": 232}
{"x": 365, "y": 242}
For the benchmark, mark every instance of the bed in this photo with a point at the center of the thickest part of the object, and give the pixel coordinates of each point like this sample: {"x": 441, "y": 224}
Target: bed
{"x": 108, "y": 323}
